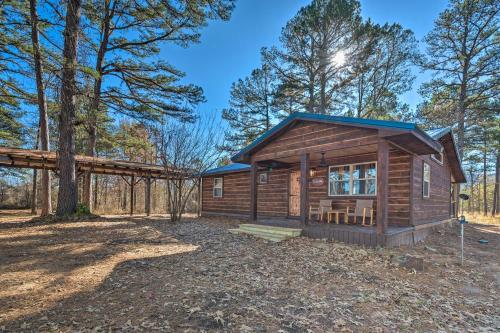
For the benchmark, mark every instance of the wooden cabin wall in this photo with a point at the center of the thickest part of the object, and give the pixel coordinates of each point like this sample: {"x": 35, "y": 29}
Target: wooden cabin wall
{"x": 272, "y": 198}
{"x": 315, "y": 137}
{"x": 437, "y": 206}
{"x": 319, "y": 192}
{"x": 235, "y": 198}
{"x": 399, "y": 188}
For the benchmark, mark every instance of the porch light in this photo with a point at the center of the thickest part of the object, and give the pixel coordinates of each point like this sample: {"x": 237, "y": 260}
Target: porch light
{"x": 323, "y": 163}
{"x": 312, "y": 172}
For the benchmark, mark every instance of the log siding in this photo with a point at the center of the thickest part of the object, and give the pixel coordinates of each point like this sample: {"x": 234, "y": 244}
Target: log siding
{"x": 438, "y": 206}
{"x": 318, "y": 137}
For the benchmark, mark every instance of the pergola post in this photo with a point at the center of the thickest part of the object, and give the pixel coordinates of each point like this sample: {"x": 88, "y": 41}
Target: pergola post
{"x": 382, "y": 185}
{"x": 304, "y": 188}
{"x": 132, "y": 183}
{"x": 200, "y": 199}
{"x": 147, "y": 196}
{"x": 253, "y": 192}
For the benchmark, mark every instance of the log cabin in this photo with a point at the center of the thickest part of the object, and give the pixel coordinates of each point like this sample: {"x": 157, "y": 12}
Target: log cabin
{"x": 405, "y": 178}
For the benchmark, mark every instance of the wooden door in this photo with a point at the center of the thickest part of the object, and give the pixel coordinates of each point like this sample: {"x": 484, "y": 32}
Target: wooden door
{"x": 294, "y": 194}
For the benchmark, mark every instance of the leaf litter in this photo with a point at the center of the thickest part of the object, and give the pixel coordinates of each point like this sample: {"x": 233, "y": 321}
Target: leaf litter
{"x": 145, "y": 274}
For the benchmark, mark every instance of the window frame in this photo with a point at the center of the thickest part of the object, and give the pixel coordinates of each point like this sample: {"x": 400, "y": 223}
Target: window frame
{"x": 424, "y": 181}
{"x": 221, "y": 187}
{"x": 351, "y": 180}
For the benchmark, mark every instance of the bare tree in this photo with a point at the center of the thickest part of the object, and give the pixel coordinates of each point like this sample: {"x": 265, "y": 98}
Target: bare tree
{"x": 186, "y": 151}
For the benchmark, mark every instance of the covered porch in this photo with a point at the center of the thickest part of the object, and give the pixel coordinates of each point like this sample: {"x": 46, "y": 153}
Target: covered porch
{"x": 312, "y": 167}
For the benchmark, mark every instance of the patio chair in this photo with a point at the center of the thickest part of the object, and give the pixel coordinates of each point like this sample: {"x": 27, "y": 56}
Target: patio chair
{"x": 363, "y": 208}
{"x": 324, "y": 207}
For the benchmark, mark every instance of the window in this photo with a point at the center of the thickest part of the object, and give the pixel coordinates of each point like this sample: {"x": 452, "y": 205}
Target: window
{"x": 364, "y": 179}
{"x": 426, "y": 183}
{"x": 263, "y": 178}
{"x": 438, "y": 157}
{"x": 353, "y": 179}
{"x": 339, "y": 180}
{"x": 217, "y": 187}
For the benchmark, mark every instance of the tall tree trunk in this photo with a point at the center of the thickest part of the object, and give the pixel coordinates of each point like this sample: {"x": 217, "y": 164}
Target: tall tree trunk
{"x": 485, "y": 176}
{"x": 360, "y": 95}
{"x": 68, "y": 196}
{"x": 496, "y": 194}
{"x": 42, "y": 108}
{"x": 94, "y": 111}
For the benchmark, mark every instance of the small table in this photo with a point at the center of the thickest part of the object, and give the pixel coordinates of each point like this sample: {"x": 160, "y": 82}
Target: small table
{"x": 332, "y": 212}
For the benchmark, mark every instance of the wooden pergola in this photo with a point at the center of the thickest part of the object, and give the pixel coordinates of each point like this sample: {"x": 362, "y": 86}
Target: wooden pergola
{"x": 47, "y": 160}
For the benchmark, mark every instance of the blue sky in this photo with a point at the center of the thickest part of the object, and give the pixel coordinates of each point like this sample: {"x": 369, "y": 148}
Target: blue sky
{"x": 230, "y": 50}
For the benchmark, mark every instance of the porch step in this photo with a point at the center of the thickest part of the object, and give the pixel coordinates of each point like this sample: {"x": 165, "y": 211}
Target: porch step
{"x": 275, "y": 234}
{"x": 292, "y": 232}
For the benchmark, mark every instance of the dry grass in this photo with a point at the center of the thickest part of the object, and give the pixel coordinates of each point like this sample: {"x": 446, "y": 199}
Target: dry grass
{"x": 145, "y": 274}
{"x": 479, "y": 218}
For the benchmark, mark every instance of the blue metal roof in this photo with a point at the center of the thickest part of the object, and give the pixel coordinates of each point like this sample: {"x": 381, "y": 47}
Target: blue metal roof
{"x": 437, "y": 133}
{"x": 334, "y": 119}
{"x": 234, "y": 167}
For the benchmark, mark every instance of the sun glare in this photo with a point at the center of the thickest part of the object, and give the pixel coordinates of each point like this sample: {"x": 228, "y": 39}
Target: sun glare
{"x": 338, "y": 58}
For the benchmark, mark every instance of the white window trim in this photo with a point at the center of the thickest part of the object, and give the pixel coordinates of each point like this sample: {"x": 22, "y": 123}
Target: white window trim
{"x": 221, "y": 187}
{"x": 436, "y": 160}
{"x": 351, "y": 180}
{"x": 423, "y": 181}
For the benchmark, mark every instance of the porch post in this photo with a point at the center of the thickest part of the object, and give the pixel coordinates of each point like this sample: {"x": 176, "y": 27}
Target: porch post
{"x": 304, "y": 187}
{"x": 382, "y": 185}
{"x": 253, "y": 192}
{"x": 147, "y": 196}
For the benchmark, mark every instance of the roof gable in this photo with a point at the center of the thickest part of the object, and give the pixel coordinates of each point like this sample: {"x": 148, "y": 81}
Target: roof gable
{"x": 445, "y": 137}
{"x": 393, "y": 129}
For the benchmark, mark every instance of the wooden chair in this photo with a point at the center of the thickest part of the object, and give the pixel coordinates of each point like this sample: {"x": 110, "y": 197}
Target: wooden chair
{"x": 363, "y": 208}
{"x": 324, "y": 207}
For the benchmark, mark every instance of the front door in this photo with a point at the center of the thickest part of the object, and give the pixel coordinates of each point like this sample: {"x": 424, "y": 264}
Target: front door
{"x": 294, "y": 194}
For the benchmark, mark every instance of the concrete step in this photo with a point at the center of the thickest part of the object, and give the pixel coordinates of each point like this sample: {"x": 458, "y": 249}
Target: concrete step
{"x": 291, "y": 232}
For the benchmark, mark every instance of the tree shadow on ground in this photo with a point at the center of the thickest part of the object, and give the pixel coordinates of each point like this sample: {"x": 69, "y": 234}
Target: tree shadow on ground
{"x": 52, "y": 261}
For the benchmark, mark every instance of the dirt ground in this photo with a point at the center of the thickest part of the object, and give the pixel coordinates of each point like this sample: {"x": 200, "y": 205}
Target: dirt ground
{"x": 145, "y": 274}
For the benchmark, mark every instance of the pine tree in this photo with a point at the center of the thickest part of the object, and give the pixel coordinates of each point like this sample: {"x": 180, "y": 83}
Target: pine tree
{"x": 68, "y": 196}
{"x": 125, "y": 38}
{"x": 45, "y": 190}
{"x": 382, "y": 70}
{"x": 462, "y": 54}
{"x": 315, "y": 44}
{"x": 12, "y": 91}
{"x": 252, "y": 108}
